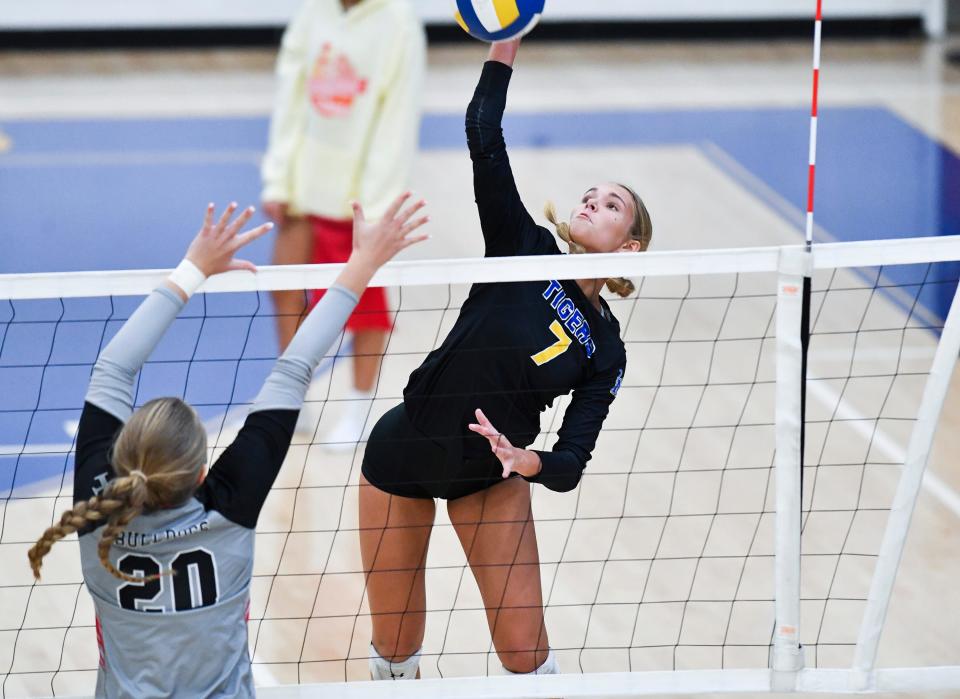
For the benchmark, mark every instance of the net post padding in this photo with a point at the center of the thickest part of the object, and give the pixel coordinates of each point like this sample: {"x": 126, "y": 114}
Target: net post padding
{"x": 908, "y": 489}
{"x": 787, "y": 660}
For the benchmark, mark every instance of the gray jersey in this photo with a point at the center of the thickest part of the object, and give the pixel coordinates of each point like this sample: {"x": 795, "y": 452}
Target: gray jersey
{"x": 191, "y": 624}
{"x": 185, "y": 634}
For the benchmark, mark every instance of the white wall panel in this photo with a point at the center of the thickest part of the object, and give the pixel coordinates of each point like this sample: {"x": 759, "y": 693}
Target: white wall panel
{"x": 117, "y": 14}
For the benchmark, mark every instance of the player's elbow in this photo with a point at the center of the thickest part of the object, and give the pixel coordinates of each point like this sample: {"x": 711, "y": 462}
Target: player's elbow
{"x": 565, "y": 485}
{"x": 110, "y": 370}
{"x": 566, "y": 474}
{"x": 484, "y": 132}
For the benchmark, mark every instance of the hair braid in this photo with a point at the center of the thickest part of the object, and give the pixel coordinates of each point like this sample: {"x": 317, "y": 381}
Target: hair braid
{"x": 127, "y": 496}
{"x": 73, "y": 520}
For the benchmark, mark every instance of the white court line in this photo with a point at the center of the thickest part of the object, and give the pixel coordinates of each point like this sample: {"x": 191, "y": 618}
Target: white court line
{"x": 946, "y": 495}
{"x": 30, "y": 449}
{"x": 864, "y": 426}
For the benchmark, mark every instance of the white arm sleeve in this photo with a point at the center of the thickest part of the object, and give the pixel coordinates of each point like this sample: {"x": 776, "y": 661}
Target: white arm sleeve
{"x": 113, "y": 381}
{"x": 287, "y": 384}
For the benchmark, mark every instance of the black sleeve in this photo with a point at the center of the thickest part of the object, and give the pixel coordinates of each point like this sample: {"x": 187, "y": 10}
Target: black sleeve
{"x": 508, "y": 228}
{"x": 95, "y": 436}
{"x": 240, "y": 480}
{"x": 564, "y": 465}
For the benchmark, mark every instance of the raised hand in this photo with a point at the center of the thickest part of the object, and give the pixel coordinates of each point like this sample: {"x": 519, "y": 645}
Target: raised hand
{"x": 377, "y": 242}
{"x": 513, "y": 459}
{"x": 374, "y": 243}
{"x": 213, "y": 249}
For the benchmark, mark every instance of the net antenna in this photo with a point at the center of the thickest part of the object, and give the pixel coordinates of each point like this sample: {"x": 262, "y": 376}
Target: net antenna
{"x": 787, "y": 657}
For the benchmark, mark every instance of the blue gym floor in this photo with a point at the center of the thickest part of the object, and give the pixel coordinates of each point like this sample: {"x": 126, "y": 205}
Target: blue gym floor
{"x": 124, "y": 194}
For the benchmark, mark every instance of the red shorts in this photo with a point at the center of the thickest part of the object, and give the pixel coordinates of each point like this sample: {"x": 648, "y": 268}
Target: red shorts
{"x": 333, "y": 242}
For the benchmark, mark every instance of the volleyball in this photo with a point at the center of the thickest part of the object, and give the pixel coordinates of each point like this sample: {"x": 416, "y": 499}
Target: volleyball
{"x": 498, "y": 20}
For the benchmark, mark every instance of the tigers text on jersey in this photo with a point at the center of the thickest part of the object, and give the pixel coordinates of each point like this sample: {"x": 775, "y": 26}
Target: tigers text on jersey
{"x": 184, "y": 634}
{"x": 518, "y": 346}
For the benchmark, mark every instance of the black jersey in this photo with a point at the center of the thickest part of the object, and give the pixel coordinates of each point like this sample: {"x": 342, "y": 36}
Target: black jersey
{"x": 517, "y": 346}
{"x": 238, "y": 483}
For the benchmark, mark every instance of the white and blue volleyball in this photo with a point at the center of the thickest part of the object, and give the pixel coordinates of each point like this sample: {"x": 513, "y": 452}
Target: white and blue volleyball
{"x": 498, "y": 20}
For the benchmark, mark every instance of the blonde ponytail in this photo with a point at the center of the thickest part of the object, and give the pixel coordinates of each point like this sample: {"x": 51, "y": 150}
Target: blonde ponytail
{"x": 159, "y": 457}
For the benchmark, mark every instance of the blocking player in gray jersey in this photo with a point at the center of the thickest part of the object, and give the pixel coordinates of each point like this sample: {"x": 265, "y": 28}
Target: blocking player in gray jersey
{"x": 166, "y": 545}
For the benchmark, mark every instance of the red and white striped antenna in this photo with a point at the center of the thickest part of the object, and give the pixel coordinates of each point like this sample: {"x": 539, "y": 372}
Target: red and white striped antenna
{"x": 817, "y": 33}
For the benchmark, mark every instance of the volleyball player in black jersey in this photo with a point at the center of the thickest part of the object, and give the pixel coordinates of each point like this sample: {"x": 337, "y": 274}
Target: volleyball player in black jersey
{"x": 474, "y": 404}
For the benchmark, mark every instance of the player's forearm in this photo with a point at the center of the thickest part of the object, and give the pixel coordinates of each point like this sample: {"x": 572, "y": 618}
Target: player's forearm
{"x": 357, "y": 274}
{"x": 485, "y": 112}
{"x": 502, "y": 214}
{"x": 112, "y": 382}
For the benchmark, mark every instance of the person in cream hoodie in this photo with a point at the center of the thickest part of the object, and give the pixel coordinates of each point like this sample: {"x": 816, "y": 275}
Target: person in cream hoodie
{"x": 344, "y": 127}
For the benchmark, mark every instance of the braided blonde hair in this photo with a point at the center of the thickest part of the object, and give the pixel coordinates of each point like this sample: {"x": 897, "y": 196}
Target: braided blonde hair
{"x": 158, "y": 457}
{"x": 641, "y": 230}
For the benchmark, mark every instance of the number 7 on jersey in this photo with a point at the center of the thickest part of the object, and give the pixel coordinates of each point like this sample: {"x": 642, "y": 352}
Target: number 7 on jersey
{"x": 556, "y": 349}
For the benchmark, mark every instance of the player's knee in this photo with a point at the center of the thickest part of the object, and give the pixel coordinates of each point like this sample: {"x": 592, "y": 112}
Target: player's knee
{"x": 396, "y": 647}
{"x": 393, "y": 666}
{"x": 537, "y": 662}
{"x": 520, "y": 651}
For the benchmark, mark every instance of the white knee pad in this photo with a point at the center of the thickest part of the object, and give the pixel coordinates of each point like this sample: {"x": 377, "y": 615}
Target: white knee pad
{"x": 549, "y": 667}
{"x": 383, "y": 669}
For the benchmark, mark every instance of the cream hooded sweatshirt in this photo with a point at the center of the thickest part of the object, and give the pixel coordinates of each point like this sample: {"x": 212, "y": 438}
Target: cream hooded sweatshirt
{"x": 347, "y": 110}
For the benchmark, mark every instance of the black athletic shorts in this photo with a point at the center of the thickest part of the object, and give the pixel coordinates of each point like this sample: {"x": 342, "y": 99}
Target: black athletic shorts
{"x": 401, "y": 460}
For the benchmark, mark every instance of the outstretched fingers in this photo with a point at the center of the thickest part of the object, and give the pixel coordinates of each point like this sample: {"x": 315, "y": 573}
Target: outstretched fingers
{"x": 213, "y": 248}
{"x": 224, "y": 219}
{"x": 241, "y": 265}
{"x": 239, "y": 222}
{"x": 484, "y": 428}
{"x": 208, "y": 219}
{"x": 358, "y": 216}
{"x": 483, "y": 419}
{"x": 410, "y": 227}
{"x": 249, "y": 236}
{"x": 499, "y": 444}
{"x": 395, "y": 206}
{"x": 413, "y": 240}
{"x": 408, "y": 213}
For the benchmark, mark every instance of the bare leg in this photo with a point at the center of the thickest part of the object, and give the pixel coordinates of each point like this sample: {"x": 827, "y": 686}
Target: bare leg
{"x": 293, "y": 246}
{"x": 368, "y": 347}
{"x": 394, "y": 536}
{"x": 496, "y": 530}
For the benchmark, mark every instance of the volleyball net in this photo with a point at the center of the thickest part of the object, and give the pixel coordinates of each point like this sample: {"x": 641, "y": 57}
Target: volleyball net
{"x": 700, "y": 553}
